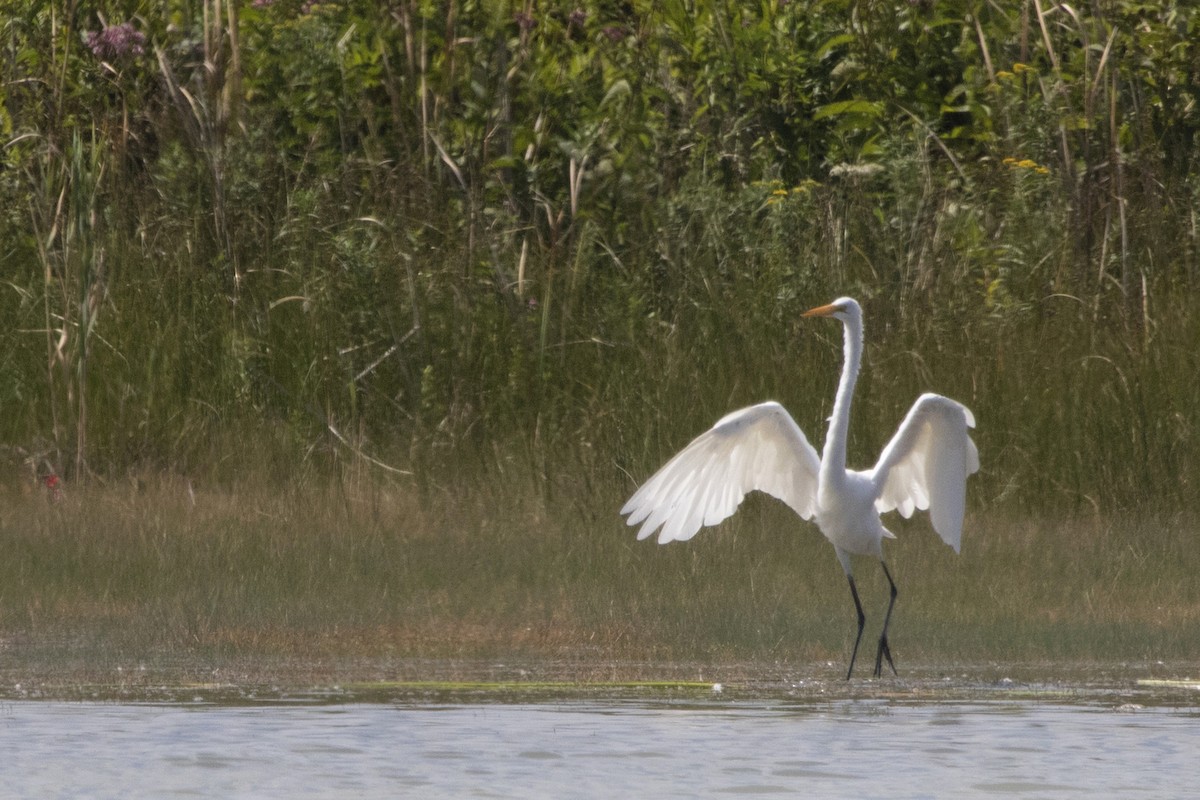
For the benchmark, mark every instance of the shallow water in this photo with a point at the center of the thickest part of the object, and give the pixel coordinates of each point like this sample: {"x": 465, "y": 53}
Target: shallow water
{"x": 850, "y": 747}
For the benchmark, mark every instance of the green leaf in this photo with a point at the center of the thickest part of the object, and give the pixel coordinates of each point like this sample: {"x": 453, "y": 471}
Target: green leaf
{"x": 862, "y": 108}
{"x": 619, "y": 88}
{"x": 830, "y": 44}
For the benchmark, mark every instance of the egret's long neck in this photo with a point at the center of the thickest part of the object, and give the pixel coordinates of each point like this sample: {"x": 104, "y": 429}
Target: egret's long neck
{"x": 833, "y": 459}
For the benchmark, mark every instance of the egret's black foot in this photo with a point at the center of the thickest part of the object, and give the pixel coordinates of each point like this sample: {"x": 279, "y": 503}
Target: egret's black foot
{"x": 883, "y": 652}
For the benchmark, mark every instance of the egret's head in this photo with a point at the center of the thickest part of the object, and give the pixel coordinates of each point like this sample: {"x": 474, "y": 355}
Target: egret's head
{"x": 843, "y": 309}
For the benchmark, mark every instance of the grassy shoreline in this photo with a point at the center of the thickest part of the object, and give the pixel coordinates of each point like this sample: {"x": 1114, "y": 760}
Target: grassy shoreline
{"x": 324, "y": 585}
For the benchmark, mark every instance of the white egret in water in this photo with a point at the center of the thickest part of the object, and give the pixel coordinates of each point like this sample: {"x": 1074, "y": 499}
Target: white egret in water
{"x": 924, "y": 466}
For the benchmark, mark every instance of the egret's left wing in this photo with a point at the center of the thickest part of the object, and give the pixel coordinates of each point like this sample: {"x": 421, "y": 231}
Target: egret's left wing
{"x": 757, "y": 448}
{"x": 926, "y": 465}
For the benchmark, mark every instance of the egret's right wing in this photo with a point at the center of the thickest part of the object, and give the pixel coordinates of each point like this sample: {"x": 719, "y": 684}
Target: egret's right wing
{"x": 926, "y": 465}
{"x": 760, "y": 447}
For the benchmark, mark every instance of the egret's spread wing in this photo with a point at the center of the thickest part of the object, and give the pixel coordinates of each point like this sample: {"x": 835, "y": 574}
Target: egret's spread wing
{"x": 759, "y": 447}
{"x": 927, "y": 463}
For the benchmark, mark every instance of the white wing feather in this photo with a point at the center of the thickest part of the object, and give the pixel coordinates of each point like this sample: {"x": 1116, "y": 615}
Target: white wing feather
{"x": 926, "y": 465}
{"x": 757, "y": 448}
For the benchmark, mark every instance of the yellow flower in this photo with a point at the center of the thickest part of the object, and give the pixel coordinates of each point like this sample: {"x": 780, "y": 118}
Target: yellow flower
{"x": 780, "y": 192}
{"x": 1004, "y": 74}
{"x": 1009, "y": 160}
{"x": 1019, "y": 68}
{"x": 1027, "y": 164}
{"x": 1042, "y": 170}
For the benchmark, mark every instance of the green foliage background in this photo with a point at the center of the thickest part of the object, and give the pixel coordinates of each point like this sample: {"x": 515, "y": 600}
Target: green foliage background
{"x": 542, "y": 244}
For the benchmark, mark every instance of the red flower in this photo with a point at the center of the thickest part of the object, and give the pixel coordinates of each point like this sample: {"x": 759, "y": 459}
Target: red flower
{"x": 53, "y": 485}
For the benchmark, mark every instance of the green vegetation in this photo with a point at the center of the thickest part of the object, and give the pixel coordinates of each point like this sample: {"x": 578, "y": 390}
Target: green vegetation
{"x": 387, "y": 307}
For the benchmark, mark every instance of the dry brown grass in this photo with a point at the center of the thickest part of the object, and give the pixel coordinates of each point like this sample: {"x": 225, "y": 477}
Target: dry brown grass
{"x": 329, "y": 583}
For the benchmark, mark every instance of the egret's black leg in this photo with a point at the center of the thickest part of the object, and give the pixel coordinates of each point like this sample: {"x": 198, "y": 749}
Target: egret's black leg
{"x": 884, "y": 651}
{"x": 862, "y": 619}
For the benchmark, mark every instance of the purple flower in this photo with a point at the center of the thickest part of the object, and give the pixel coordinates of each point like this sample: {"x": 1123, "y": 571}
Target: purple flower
{"x": 117, "y": 41}
{"x": 577, "y": 18}
{"x": 525, "y": 21}
{"x": 615, "y": 33}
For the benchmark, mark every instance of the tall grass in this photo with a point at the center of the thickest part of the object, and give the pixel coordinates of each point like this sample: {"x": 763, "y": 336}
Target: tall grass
{"x": 426, "y": 237}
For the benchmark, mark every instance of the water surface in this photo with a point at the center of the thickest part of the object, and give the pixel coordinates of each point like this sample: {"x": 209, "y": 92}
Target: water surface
{"x": 857, "y": 747}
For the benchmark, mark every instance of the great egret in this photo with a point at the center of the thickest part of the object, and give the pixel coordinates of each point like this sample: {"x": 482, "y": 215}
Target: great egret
{"x": 924, "y": 466}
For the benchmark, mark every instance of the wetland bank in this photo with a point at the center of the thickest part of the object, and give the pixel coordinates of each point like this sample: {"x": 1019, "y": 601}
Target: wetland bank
{"x": 334, "y": 335}
{"x": 128, "y": 591}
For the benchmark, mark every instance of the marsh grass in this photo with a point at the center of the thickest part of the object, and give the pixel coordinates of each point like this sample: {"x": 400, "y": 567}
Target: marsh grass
{"x": 255, "y": 541}
{"x": 360, "y": 581}
{"x": 381, "y": 385}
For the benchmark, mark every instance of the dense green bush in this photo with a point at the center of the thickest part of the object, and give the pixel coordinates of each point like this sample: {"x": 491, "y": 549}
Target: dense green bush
{"x": 444, "y": 236}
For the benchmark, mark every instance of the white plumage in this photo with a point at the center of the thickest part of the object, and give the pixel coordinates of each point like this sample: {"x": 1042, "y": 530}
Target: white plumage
{"x": 758, "y": 448}
{"x": 925, "y": 466}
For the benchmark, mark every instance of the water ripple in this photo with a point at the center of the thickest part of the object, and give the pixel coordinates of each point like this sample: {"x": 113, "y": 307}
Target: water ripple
{"x": 859, "y": 749}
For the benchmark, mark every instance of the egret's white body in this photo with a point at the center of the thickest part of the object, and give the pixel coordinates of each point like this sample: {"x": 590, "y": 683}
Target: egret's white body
{"x": 924, "y": 466}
